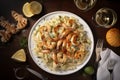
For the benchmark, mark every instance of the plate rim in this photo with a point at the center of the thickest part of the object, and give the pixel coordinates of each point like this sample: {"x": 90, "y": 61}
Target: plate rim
{"x": 36, "y": 24}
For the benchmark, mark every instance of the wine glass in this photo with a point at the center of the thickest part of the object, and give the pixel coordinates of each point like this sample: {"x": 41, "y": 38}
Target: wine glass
{"x": 20, "y": 73}
{"x": 105, "y": 17}
{"x": 85, "y": 5}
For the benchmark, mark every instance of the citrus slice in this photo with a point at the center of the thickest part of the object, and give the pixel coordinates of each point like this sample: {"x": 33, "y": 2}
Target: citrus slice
{"x": 26, "y": 10}
{"x": 19, "y": 56}
{"x": 35, "y": 7}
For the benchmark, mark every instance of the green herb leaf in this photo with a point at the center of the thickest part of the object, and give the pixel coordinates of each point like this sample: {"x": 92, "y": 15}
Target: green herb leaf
{"x": 23, "y": 42}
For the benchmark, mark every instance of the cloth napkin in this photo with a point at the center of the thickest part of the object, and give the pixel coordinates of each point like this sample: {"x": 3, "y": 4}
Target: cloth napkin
{"x": 102, "y": 71}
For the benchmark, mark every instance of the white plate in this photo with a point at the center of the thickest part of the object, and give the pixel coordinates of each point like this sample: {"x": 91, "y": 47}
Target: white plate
{"x": 47, "y": 17}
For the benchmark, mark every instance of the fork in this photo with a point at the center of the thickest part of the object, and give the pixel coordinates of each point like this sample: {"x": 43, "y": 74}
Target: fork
{"x": 98, "y": 49}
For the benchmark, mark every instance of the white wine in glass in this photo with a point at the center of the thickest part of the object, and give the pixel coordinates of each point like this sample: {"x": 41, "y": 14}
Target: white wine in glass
{"x": 105, "y": 17}
{"x": 85, "y": 5}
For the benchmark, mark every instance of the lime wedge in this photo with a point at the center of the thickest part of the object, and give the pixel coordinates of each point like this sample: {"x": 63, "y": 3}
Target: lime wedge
{"x": 89, "y": 70}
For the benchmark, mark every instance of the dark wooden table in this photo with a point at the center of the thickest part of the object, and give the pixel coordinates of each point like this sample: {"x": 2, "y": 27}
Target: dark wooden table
{"x": 6, "y": 50}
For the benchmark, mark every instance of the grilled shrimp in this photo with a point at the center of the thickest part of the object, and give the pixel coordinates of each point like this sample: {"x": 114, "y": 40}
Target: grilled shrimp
{"x": 51, "y": 45}
{"x": 74, "y": 39}
{"x": 59, "y": 43}
{"x": 66, "y": 32}
{"x": 79, "y": 54}
{"x": 62, "y": 58}
{"x": 54, "y": 57}
{"x": 64, "y": 44}
{"x": 40, "y": 54}
{"x": 54, "y": 64}
{"x": 54, "y": 35}
{"x": 64, "y": 25}
{"x": 49, "y": 28}
{"x": 56, "y": 28}
{"x": 69, "y": 37}
{"x": 45, "y": 51}
{"x": 68, "y": 48}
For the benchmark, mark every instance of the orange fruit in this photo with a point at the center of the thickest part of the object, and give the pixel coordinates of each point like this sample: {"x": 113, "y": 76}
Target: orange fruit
{"x": 113, "y": 37}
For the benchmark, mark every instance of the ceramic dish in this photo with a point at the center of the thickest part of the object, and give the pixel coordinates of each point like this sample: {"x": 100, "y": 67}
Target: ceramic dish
{"x": 31, "y": 43}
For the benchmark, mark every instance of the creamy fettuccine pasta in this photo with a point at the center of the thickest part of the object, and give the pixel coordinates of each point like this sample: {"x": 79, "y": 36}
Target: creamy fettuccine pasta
{"x": 61, "y": 43}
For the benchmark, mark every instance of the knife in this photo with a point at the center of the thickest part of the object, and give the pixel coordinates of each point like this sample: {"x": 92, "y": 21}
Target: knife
{"x": 36, "y": 73}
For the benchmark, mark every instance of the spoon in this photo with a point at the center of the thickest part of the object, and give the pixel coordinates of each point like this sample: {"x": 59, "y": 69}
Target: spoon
{"x": 110, "y": 66}
{"x": 36, "y": 73}
{"x": 22, "y": 72}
